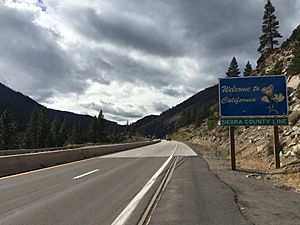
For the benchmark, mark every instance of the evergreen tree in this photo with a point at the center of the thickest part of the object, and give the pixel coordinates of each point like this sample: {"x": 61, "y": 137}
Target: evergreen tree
{"x": 76, "y": 136}
{"x": 294, "y": 68}
{"x": 93, "y": 133}
{"x": 101, "y": 127}
{"x": 44, "y": 138}
{"x": 186, "y": 118}
{"x": 7, "y": 131}
{"x": 63, "y": 133}
{"x": 248, "y": 70}
{"x": 269, "y": 30}
{"x": 73, "y": 134}
{"x": 31, "y": 135}
{"x": 233, "y": 70}
{"x": 81, "y": 135}
{"x": 55, "y": 132}
{"x": 38, "y": 131}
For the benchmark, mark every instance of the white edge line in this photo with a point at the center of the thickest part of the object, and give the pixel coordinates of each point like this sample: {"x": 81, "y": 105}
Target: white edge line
{"x": 85, "y": 174}
{"x": 122, "y": 218}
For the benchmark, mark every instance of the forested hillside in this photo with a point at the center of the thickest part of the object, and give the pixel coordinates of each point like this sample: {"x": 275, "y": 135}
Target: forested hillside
{"x": 192, "y": 111}
{"x": 27, "y": 124}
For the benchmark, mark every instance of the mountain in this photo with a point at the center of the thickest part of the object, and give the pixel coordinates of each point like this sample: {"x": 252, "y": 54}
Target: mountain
{"x": 21, "y": 108}
{"x": 281, "y": 60}
{"x": 254, "y": 145}
{"x": 170, "y": 120}
{"x": 276, "y": 62}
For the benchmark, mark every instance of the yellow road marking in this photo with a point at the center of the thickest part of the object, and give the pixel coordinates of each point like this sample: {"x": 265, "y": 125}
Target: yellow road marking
{"x": 48, "y": 168}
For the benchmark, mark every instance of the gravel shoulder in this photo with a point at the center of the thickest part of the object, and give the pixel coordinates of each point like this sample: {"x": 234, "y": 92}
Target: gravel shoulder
{"x": 264, "y": 202}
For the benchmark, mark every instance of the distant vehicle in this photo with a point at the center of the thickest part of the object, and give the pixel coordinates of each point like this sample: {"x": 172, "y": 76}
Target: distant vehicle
{"x": 168, "y": 138}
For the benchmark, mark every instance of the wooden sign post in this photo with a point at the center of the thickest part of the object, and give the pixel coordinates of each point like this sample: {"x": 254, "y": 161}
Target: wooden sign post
{"x": 276, "y": 147}
{"x": 232, "y": 148}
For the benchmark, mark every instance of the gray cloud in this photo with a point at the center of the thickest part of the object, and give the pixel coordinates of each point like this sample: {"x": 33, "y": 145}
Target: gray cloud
{"x": 173, "y": 92}
{"x": 171, "y": 48}
{"x": 113, "y": 110}
{"x": 160, "y": 107}
{"x": 32, "y": 58}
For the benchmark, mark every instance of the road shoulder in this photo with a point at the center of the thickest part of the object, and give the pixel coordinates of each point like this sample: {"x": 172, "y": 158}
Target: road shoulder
{"x": 261, "y": 201}
{"x": 196, "y": 196}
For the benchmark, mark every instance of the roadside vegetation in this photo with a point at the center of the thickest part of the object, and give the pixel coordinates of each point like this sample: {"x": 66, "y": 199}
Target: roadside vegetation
{"x": 41, "y": 133}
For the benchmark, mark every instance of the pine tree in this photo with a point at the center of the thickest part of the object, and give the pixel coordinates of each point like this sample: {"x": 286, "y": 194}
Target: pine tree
{"x": 233, "y": 70}
{"x": 80, "y": 133}
{"x": 38, "y": 131}
{"x": 7, "y": 131}
{"x": 44, "y": 138}
{"x": 248, "y": 70}
{"x": 55, "y": 132}
{"x": 101, "y": 127}
{"x": 31, "y": 135}
{"x": 76, "y": 136}
{"x": 269, "y": 30}
{"x": 73, "y": 134}
{"x": 63, "y": 133}
{"x": 93, "y": 133}
{"x": 294, "y": 68}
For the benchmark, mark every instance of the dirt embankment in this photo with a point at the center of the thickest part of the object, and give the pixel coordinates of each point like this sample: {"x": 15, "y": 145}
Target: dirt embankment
{"x": 254, "y": 145}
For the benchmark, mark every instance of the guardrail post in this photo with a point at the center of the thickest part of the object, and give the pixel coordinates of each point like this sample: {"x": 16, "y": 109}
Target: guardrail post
{"x": 232, "y": 148}
{"x": 276, "y": 147}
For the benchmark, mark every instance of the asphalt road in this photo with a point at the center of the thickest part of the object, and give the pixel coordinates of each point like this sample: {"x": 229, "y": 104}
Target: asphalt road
{"x": 103, "y": 190}
{"x": 88, "y": 192}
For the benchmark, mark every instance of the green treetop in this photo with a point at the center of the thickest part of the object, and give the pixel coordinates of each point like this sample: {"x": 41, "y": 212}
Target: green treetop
{"x": 248, "y": 70}
{"x": 269, "y": 30}
{"x": 233, "y": 70}
{"x": 7, "y": 131}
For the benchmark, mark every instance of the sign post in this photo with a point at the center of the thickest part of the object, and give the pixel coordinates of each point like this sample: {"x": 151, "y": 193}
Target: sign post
{"x": 276, "y": 147}
{"x": 232, "y": 148}
{"x": 253, "y": 101}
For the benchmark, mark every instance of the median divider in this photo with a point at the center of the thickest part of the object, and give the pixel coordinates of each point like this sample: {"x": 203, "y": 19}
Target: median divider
{"x": 14, "y": 164}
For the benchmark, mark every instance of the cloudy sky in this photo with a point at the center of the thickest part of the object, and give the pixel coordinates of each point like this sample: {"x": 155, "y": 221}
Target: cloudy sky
{"x": 129, "y": 58}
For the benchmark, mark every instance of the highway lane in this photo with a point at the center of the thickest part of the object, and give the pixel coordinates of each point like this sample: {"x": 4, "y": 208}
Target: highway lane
{"x": 93, "y": 191}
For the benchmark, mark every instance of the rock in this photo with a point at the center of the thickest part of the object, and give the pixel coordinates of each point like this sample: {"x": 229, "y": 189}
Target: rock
{"x": 291, "y": 144}
{"x": 288, "y": 153}
{"x": 296, "y": 107}
{"x": 294, "y": 82}
{"x": 296, "y": 149}
{"x": 252, "y": 175}
{"x": 259, "y": 177}
{"x": 260, "y": 148}
{"x": 287, "y": 132}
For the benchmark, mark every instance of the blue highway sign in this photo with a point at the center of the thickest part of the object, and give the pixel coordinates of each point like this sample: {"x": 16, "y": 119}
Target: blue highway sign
{"x": 258, "y": 96}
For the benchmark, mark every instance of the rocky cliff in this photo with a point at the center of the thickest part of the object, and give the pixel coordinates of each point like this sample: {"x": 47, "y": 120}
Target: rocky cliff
{"x": 254, "y": 148}
{"x": 254, "y": 145}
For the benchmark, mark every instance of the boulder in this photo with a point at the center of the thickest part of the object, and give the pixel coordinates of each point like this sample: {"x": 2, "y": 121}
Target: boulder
{"x": 291, "y": 144}
{"x": 296, "y": 149}
{"x": 260, "y": 148}
{"x": 293, "y": 83}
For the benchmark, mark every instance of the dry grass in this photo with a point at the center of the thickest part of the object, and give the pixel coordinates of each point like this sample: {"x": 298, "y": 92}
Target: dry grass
{"x": 290, "y": 180}
{"x": 253, "y": 164}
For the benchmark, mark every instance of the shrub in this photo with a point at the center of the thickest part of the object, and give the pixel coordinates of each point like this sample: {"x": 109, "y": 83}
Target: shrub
{"x": 212, "y": 122}
{"x": 277, "y": 69}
